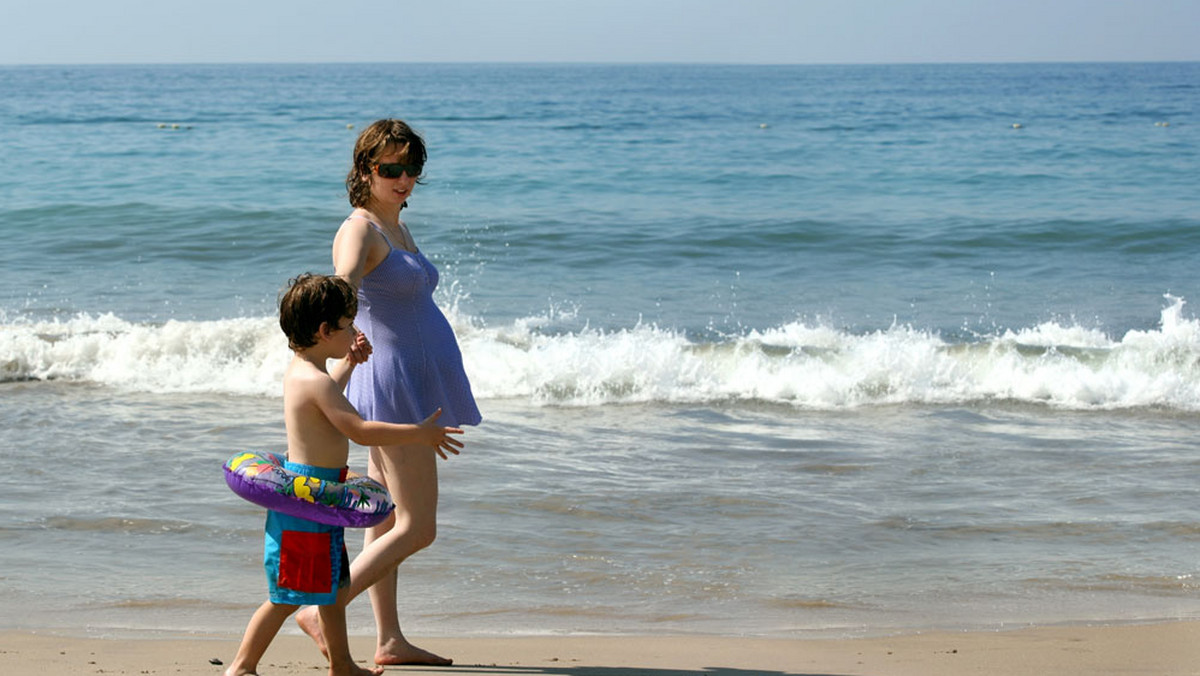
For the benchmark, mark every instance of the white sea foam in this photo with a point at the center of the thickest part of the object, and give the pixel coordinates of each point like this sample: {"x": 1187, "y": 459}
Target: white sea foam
{"x": 812, "y": 366}
{"x": 238, "y": 356}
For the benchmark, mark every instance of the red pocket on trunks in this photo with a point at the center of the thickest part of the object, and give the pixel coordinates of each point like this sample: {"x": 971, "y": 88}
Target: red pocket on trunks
{"x": 304, "y": 563}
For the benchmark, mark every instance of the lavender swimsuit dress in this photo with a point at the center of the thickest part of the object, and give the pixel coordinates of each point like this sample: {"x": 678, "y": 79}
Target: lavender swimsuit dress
{"x": 415, "y": 366}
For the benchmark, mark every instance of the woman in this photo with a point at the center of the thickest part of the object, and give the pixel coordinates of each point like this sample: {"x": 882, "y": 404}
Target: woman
{"x": 414, "y": 369}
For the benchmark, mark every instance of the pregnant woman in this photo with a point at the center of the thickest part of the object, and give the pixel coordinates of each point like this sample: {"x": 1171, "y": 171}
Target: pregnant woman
{"x": 415, "y": 369}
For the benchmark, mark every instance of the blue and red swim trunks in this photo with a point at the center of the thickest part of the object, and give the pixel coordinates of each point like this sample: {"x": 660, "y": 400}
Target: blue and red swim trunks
{"x": 306, "y": 561}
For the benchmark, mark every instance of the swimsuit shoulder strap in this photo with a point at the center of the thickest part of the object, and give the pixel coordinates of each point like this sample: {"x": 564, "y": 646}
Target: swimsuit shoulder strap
{"x": 375, "y": 225}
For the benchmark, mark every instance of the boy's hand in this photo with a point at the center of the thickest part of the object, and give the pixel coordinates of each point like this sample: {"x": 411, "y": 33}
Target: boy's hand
{"x": 439, "y": 436}
{"x": 361, "y": 350}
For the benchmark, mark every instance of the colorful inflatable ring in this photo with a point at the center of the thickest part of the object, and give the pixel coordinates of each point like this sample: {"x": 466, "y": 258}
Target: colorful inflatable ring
{"x": 261, "y": 478}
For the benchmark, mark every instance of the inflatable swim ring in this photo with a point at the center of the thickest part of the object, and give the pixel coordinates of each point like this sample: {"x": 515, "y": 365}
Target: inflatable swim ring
{"x": 261, "y": 478}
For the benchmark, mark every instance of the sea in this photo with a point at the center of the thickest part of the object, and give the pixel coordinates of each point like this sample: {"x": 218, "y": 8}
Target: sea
{"x": 776, "y": 351}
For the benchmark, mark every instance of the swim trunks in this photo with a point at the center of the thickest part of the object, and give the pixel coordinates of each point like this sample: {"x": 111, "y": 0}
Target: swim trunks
{"x": 306, "y": 561}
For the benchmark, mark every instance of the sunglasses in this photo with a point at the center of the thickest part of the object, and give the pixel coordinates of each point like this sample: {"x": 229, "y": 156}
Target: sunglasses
{"x": 396, "y": 170}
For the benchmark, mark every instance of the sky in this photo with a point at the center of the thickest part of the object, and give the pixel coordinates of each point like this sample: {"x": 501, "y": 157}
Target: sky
{"x": 601, "y": 31}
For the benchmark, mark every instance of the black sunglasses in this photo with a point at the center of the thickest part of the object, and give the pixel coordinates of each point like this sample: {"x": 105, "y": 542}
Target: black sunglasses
{"x": 396, "y": 170}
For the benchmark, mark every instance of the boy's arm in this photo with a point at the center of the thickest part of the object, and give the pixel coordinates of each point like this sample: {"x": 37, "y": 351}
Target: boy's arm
{"x": 342, "y": 368}
{"x": 337, "y": 409}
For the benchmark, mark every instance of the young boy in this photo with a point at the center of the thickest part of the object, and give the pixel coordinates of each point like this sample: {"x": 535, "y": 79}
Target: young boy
{"x": 306, "y": 561}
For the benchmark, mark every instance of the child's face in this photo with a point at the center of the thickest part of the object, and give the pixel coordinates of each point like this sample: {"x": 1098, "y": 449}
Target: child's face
{"x": 342, "y": 336}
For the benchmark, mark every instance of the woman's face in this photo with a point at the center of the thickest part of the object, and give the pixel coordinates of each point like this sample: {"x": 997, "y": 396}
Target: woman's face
{"x": 392, "y": 184}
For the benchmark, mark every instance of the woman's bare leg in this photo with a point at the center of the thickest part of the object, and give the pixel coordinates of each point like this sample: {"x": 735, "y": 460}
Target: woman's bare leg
{"x": 410, "y": 473}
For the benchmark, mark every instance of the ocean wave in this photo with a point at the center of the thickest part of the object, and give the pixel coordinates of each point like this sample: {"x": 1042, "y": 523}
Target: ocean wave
{"x": 1164, "y": 585}
{"x": 60, "y": 120}
{"x": 118, "y": 525}
{"x": 800, "y": 364}
{"x": 237, "y": 356}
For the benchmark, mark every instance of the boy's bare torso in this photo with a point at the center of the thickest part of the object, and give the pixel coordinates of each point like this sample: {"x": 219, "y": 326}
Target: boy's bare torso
{"x": 312, "y": 439}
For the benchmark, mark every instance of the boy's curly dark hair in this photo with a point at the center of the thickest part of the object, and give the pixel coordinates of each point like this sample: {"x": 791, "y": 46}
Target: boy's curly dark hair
{"x": 311, "y": 300}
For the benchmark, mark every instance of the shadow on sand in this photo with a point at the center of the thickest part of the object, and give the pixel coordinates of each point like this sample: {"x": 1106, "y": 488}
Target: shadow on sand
{"x": 564, "y": 670}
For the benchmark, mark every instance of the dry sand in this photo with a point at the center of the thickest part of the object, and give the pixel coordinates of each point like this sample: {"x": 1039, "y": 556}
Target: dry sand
{"x": 1166, "y": 649}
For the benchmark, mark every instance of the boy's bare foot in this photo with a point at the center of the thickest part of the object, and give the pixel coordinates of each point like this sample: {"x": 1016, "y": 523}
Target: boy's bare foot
{"x": 394, "y": 652}
{"x": 400, "y": 651}
{"x": 356, "y": 670}
{"x": 310, "y": 623}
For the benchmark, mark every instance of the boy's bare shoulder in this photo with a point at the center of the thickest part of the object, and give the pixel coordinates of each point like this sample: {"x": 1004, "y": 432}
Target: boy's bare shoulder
{"x": 302, "y": 377}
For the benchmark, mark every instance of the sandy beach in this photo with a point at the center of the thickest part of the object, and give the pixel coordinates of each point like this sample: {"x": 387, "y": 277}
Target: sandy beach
{"x": 1165, "y": 649}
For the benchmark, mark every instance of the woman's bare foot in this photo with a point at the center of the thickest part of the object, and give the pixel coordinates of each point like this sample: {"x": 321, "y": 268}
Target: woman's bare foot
{"x": 310, "y": 623}
{"x": 400, "y": 651}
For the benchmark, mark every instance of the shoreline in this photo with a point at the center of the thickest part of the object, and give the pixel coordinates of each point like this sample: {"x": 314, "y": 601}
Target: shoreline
{"x": 1167, "y": 648}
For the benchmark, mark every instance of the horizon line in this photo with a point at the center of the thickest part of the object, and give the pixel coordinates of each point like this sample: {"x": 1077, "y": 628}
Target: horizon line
{"x": 595, "y": 63}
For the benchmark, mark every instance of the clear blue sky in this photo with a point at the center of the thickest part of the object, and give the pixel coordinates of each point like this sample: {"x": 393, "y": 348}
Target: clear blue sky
{"x": 722, "y": 31}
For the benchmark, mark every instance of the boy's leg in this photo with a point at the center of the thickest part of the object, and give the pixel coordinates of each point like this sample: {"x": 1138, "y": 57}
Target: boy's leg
{"x": 264, "y": 624}
{"x": 333, "y": 628}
